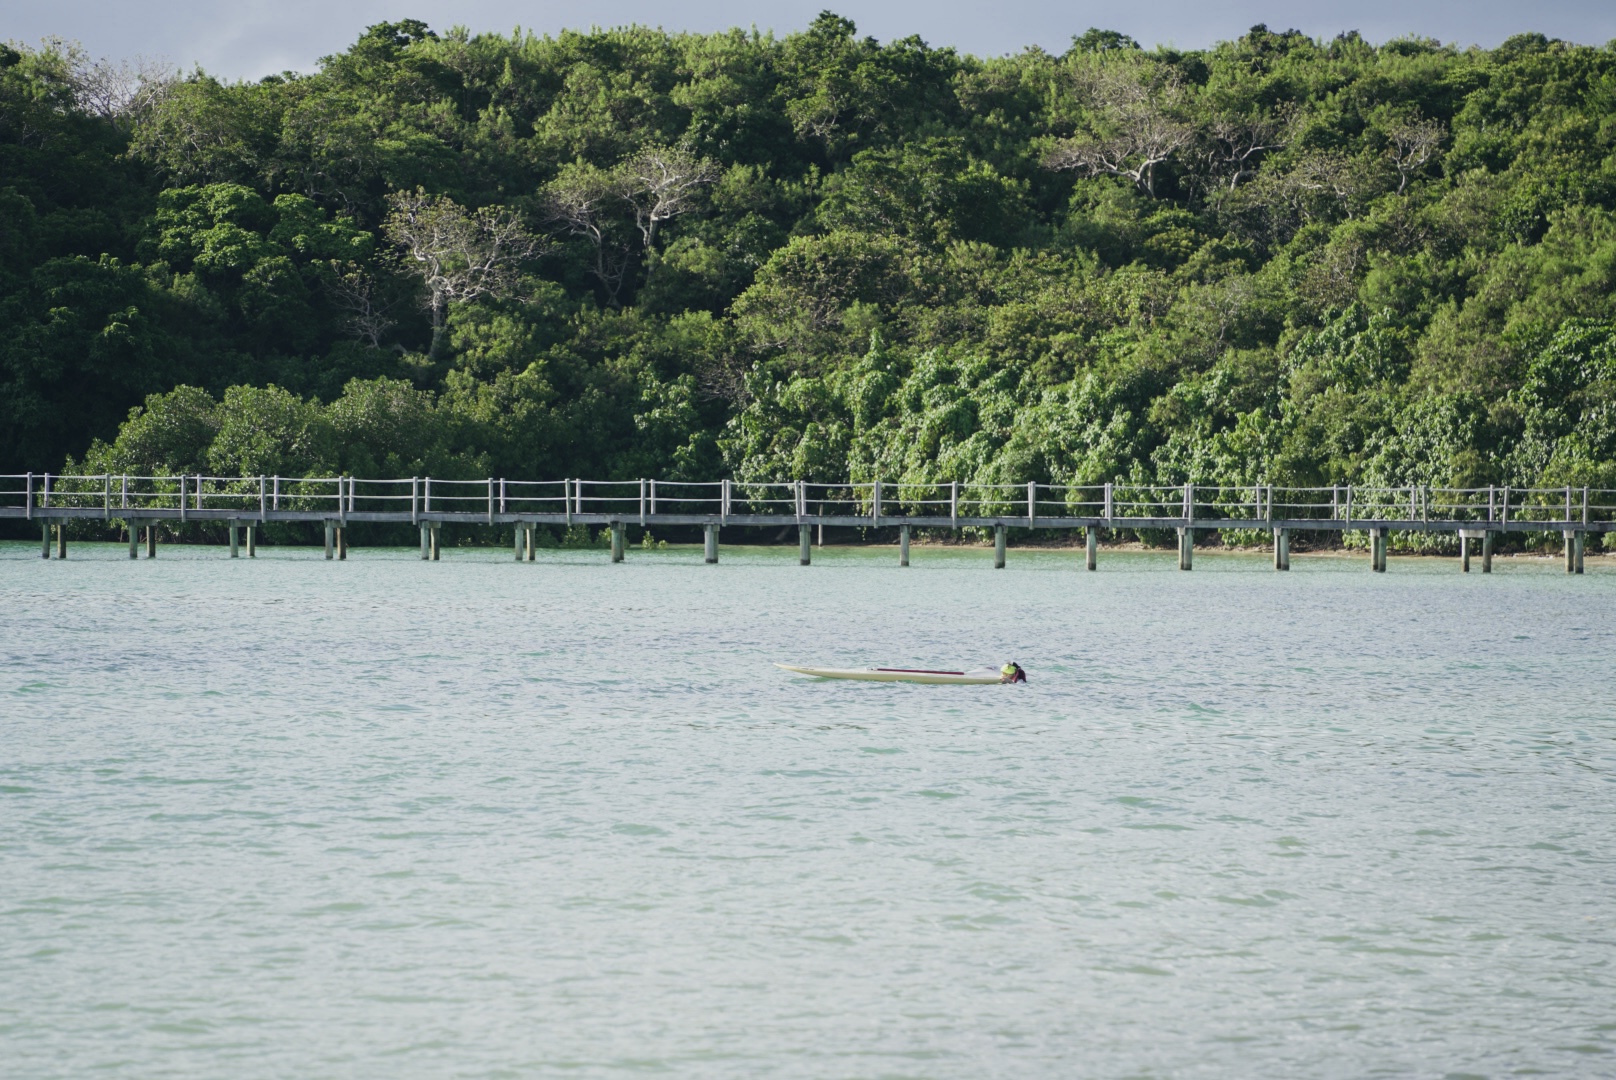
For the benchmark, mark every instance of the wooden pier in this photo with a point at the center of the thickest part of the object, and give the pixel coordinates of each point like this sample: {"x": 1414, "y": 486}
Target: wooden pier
{"x": 1272, "y": 513}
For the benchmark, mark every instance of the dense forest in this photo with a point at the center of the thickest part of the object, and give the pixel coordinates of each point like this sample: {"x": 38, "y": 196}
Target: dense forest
{"x": 631, "y": 253}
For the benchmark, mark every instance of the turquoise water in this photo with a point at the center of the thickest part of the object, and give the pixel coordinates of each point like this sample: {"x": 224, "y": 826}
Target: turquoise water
{"x": 385, "y": 818}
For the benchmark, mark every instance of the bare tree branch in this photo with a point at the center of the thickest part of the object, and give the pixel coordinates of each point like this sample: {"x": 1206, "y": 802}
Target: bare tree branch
{"x": 580, "y": 200}
{"x": 459, "y": 255}
{"x": 658, "y": 184}
{"x": 1329, "y": 173}
{"x": 1137, "y": 127}
{"x": 661, "y": 183}
{"x": 359, "y": 296}
{"x": 118, "y": 92}
{"x": 1412, "y": 142}
{"x": 1231, "y": 145}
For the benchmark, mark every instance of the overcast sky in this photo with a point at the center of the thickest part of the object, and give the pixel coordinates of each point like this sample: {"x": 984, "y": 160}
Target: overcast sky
{"x": 251, "y": 38}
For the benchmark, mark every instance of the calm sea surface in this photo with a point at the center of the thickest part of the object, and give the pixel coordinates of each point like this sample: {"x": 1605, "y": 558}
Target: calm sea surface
{"x": 385, "y": 818}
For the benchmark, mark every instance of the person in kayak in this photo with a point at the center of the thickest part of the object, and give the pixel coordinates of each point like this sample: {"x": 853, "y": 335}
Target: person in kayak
{"x": 1011, "y": 672}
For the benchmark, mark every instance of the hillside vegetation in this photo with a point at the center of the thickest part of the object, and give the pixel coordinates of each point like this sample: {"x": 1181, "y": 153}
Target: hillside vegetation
{"x": 630, "y": 253}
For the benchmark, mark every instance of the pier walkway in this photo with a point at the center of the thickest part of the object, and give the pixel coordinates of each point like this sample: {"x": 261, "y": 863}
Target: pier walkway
{"x": 242, "y": 503}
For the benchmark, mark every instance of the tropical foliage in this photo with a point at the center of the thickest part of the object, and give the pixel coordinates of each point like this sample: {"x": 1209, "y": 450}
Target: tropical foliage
{"x": 631, "y": 253}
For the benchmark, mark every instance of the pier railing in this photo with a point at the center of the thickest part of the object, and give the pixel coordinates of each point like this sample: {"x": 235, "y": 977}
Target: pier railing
{"x": 1029, "y": 505}
{"x": 1036, "y": 505}
{"x": 1470, "y": 514}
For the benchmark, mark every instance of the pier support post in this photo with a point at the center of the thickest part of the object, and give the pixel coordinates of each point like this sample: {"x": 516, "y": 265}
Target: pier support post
{"x": 617, "y": 541}
{"x": 532, "y": 541}
{"x": 712, "y": 543}
{"x": 517, "y": 542}
{"x": 44, "y": 539}
{"x": 998, "y": 547}
{"x": 61, "y": 539}
{"x": 235, "y": 540}
{"x": 1377, "y": 550}
{"x": 1467, "y": 537}
{"x": 1186, "y": 549}
{"x": 134, "y": 540}
{"x": 805, "y": 545}
{"x": 1092, "y": 542}
{"x": 1282, "y": 549}
{"x": 151, "y": 540}
{"x": 330, "y": 539}
{"x": 342, "y": 541}
{"x": 1573, "y": 552}
{"x": 903, "y": 545}
{"x": 252, "y": 541}
{"x": 437, "y": 544}
{"x": 426, "y": 542}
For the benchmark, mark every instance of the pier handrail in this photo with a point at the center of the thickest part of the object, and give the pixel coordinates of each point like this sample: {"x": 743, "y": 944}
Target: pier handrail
{"x": 865, "y": 500}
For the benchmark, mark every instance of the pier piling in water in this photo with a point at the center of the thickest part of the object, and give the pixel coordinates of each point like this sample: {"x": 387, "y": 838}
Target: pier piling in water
{"x": 426, "y": 541}
{"x": 1573, "y": 551}
{"x": 712, "y": 543}
{"x": 134, "y": 540}
{"x": 518, "y": 533}
{"x": 44, "y": 539}
{"x": 436, "y": 541}
{"x": 1377, "y": 550}
{"x": 903, "y": 545}
{"x": 1487, "y": 552}
{"x": 617, "y": 541}
{"x": 805, "y": 547}
{"x": 235, "y": 540}
{"x": 998, "y": 547}
{"x": 151, "y": 540}
{"x": 330, "y": 539}
{"x": 1092, "y": 543}
{"x": 342, "y": 541}
{"x": 1282, "y": 549}
{"x": 1186, "y": 549}
{"x": 1464, "y": 553}
{"x": 61, "y": 540}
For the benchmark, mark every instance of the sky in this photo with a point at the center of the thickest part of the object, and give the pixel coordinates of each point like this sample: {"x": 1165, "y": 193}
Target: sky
{"x": 247, "y": 39}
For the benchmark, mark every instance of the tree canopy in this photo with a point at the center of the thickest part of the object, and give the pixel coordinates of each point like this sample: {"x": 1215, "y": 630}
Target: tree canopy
{"x": 627, "y": 252}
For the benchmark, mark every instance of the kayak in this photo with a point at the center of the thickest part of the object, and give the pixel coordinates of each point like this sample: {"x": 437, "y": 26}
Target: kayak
{"x": 980, "y": 677}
